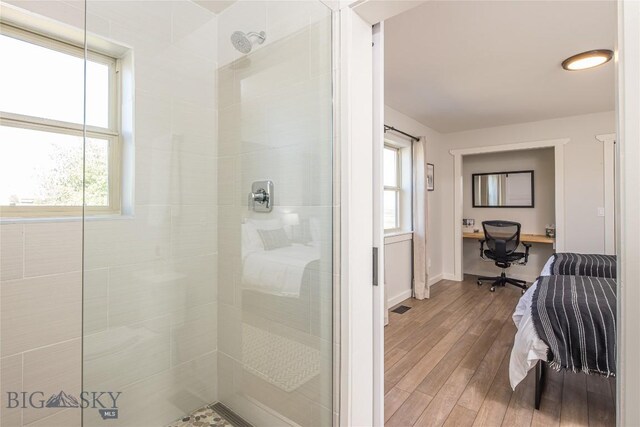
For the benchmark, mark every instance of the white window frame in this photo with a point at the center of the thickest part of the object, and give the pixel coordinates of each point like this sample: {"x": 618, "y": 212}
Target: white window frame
{"x": 396, "y": 188}
{"x": 111, "y": 133}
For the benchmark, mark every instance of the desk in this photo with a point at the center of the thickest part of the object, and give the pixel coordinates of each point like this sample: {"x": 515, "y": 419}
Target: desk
{"x": 527, "y": 238}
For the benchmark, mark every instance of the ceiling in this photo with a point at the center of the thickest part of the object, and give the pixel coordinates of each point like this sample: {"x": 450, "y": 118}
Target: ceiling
{"x": 458, "y": 65}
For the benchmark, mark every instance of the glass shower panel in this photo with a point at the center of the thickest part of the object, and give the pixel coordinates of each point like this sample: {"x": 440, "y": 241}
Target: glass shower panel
{"x": 275, "y": 299}
{"x": 150, "y": 297}
{"x": 192, "y": 295}
{"x": 41, "y": 196}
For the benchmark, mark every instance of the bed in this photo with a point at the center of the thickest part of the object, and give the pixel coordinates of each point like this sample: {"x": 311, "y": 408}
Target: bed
{"x": 279, "y": 271}
{"x": 529, "y": 349}
{"x": 283, "y": 283}
{"x": 283, "y": 280}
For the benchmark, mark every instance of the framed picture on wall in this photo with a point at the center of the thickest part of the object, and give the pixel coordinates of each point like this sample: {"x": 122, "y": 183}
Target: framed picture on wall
{"x": 430, "y": 177}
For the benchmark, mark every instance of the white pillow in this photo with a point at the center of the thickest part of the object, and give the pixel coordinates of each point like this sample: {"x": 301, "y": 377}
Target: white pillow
{"x": 251, "y": 240}
{"x": 265, "y": 224}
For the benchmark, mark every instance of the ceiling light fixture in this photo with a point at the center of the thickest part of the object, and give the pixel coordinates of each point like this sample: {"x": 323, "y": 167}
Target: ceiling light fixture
{"x": 588, "y": 59}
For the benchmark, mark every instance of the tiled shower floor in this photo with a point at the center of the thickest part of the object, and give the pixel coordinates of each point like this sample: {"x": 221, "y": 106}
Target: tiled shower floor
{"x": 203, "y": 417}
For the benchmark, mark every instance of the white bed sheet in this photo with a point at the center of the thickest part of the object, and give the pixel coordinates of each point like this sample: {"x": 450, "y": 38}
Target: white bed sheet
{"x": 528, "y": 348}
{"x": 279, "y": 271}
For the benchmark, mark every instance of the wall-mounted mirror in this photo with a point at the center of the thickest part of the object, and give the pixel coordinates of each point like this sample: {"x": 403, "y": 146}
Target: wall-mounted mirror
{"x": 503, "y": 189}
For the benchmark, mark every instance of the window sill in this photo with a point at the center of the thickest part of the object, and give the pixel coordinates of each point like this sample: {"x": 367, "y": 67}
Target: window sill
{"x": 90, "y": 218}
{"x": 397, "y": 236}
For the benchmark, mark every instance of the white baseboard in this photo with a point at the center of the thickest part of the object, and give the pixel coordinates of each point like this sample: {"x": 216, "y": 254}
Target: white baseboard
{"x": 450, "y": 276}
{"x": 407, "y": 294}
{"x": 434, "y": 279}
{"x": 399, "y": 298}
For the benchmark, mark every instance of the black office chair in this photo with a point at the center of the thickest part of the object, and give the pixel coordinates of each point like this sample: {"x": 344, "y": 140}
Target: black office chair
{"x": 503, "y": 239}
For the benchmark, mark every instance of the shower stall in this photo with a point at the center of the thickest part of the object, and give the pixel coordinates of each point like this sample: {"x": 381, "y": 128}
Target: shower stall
{"x": 166, "y": 213}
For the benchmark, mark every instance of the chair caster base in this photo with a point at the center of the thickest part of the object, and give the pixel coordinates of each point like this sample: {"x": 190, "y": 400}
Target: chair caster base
{"x": 503, "y": 281}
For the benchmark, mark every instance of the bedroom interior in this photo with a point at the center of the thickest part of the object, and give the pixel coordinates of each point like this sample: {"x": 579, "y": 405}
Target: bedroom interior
{"x": 488, "y": 109}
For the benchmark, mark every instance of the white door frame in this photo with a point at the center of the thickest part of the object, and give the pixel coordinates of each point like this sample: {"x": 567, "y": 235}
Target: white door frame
{"x": 628, "y": 212}
{"x": 609, "y": 171}
{"x": 556, "y": 144}
{"x": 354, "y": 104}
{"x": 378, "y": 226}
{"x": 362, "y": 310}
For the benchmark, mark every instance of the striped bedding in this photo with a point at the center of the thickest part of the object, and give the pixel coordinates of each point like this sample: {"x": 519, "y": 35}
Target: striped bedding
{"x": 576, "y": 317}
{"x": 573, "y": 264}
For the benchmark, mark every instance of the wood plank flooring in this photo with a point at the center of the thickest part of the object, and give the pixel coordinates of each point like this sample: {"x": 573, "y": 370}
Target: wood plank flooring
{"x": 447, "y": 364}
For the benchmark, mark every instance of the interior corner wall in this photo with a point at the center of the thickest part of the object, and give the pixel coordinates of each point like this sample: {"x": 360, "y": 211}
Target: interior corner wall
{"x": 583, "y": 166}
{"x": 435, "y": 148}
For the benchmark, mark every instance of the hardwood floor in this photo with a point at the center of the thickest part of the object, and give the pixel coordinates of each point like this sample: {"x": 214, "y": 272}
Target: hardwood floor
{"x": 447, "y": 364}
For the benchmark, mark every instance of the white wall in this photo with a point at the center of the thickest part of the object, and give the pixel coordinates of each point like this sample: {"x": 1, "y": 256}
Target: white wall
{"x": 435, "y": 141}
{"x": 397, "y": 270}
{"x": 583, "y": 165}
{"x": 533, "y": 220}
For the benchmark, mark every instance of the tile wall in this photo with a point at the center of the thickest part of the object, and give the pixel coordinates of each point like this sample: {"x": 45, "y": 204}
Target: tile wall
{"x": 275, "y": 122}
{"x": 158, "y": 282}
{"x": 150, "y": 293}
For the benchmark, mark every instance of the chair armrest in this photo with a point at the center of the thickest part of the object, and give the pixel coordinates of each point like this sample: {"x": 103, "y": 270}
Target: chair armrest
{"x": 482, "y": 247}
{"x": 527, "y": 246}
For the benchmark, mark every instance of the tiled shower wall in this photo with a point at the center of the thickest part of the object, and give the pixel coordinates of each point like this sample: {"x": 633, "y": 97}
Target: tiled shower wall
{"x": 150, "y": 310}
{"x": 275, "y": 122}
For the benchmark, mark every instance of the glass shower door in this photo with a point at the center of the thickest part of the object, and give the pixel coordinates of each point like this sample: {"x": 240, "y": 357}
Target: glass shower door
{"x": 150, "y": 298}
{"x": 209, "y": 287}
{"x": 275, "y": 236}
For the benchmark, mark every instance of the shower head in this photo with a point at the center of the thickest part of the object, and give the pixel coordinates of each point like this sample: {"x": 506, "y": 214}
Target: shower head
{"x": 244, "y": 42}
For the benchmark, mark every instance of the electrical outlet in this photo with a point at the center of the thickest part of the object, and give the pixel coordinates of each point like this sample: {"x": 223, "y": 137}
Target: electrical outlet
{"x": 600, "y": 211}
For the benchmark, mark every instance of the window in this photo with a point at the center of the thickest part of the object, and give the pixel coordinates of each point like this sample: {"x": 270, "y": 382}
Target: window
{"x": 45, "y": 168}
{"x": 391, "y": 174}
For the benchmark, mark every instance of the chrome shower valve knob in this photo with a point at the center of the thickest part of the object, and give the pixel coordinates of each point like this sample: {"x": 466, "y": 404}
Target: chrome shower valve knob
{"x": 261, "y": 196}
